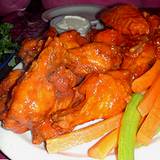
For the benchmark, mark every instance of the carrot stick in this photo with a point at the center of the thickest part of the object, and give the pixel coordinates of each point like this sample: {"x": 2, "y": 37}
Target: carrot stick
{"x": 150, "y": 97}
{"x": 150, "y": 125}
{"x": 145, "y": 81}
{"x": 104, "y": 145}
{"x": 83, "y": 135}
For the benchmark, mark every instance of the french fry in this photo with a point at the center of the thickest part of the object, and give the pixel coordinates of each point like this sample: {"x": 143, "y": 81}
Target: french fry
{"x": 83, "y": 135}
{"x": 104, "y": 145}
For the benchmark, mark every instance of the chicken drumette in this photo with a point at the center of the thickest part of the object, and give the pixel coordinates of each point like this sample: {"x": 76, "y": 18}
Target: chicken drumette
{"x": 104, "y": 95}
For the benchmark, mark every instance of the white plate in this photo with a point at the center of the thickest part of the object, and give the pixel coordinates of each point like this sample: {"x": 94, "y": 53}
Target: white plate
{"x": 86, "y": 11}
{"x": 20, "y": 147}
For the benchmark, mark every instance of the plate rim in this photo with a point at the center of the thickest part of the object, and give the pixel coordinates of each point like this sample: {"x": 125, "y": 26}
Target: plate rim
{"x": 7, "y": 135}
{"x": 45, "y": 15}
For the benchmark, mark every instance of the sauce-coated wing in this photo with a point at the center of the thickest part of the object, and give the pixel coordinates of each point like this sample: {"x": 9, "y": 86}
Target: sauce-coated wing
{"x": 109, "y": 36}
{"x": 126, "y": 19}
{"x": 93, "y": 57}
{"x": 105, "y": 95}
{"x": 72, "y": 39}
{"x": 30, "y": 49}
{"x": 139, "y": 63}
{"x": 33, "y": 98}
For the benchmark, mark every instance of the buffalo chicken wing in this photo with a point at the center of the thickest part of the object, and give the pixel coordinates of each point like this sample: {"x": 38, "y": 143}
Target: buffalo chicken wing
{"x": 34, "y": 96}
{"x": 30, "y": 49}
{"x": 93, "y": 57}
{"x": 102, "y": 99}
{"x": 126, "y": 19}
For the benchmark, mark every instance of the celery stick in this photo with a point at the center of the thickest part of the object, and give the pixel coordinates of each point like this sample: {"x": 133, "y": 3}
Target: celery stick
{"x": 129, "y": 126}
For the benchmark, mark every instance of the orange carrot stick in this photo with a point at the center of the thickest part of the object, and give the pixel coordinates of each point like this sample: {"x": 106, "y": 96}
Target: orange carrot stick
{"x": 150, "y": 125}
{"x": 145, "y": 81}
{"x": 83, "y": 135}
{"x": 150, "y": 97}
{"x": 104, "y": 145}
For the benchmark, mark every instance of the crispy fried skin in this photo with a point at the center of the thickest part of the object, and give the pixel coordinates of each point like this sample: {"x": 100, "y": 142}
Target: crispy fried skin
{"x": 64, "y": 81}
{"x": 83, "y": 58}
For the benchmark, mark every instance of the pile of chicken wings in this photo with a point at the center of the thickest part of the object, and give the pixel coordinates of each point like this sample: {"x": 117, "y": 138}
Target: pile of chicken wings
{"x": 71, "y": 79}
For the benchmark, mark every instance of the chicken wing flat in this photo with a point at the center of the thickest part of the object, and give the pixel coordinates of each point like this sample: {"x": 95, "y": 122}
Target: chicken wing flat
{"x": 126, "y": 19}
{"x": 93, "y": 57}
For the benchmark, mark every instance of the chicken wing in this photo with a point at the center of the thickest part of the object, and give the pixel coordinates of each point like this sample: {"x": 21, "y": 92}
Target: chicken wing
{"x": 44, "y": 89}
{"x": 110, "y": 37}
{"x": 64, "y": 81}
{"x": 126, "y": 19}
{"x": 30, "y": 49}
{"x": 139, "y": 59}
{"x": 102, "y": 99}
{"x": 72, "y": 39}
{"x": 34, "y": 96}
{"x": 93, "y": 57}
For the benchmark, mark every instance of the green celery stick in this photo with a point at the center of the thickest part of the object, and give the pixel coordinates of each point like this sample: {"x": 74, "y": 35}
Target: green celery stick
{"x": 128, "y": 129}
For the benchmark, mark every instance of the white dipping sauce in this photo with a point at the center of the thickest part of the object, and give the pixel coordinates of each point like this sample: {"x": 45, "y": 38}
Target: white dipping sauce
{"x": 65, "y": 23}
